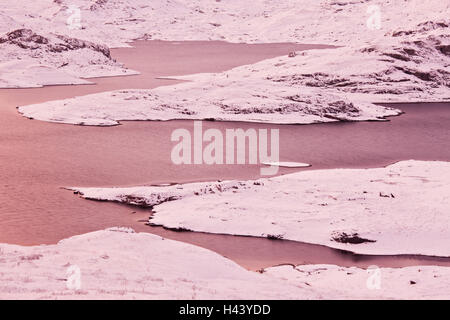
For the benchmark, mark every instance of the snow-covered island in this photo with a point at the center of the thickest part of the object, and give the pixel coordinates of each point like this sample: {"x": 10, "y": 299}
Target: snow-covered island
{"x": 28, "y": 59}
{"x": 400, "y": 209}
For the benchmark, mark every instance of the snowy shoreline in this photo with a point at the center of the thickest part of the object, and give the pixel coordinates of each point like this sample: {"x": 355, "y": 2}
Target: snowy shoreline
{"x": 118, "y": 263}
{"x": 368, "y": 211}
{"x": 115, "y": 23}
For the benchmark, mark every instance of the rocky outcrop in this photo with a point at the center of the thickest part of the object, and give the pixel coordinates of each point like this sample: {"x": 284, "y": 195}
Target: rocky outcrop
{"x": 27, "y": 39}
{"x": 33, "y": 59}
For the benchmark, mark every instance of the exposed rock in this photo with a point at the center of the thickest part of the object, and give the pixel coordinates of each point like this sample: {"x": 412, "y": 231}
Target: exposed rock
{"x": 32, "y": 60}
{"x": 27, "y": 39}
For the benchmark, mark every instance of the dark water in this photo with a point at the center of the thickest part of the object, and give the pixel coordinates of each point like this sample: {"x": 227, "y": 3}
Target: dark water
{"x": 38, "y": 158}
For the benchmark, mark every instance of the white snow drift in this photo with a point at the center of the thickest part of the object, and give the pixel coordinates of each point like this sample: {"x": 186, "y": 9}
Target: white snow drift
{"x": 120, "y": 264}
{"x": 334, "y": 282}
{"x": 400, "y": 209}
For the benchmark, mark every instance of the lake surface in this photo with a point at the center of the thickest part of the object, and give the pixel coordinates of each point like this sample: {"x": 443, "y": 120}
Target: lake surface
{"x": 38, "y": 159}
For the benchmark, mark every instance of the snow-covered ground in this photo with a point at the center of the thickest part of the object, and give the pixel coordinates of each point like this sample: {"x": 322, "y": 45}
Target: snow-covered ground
{"x": 404, "y": 60}
{"x": 120, "y": 264}
{"x": 226, "y": 100}
{"x": 115, "y": 22}
{"x": 334, "y": 282}
{"x": 400, "y": 209}
{"x": 313, "y": 86}
{"x": 28, "y": 59}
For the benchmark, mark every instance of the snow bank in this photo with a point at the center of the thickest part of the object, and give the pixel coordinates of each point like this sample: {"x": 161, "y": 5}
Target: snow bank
{"x": 120, "y": 264}
{"x": 334, "y": 282}
{"x": 400, "y": 209}
{"x": 28, "y": 59}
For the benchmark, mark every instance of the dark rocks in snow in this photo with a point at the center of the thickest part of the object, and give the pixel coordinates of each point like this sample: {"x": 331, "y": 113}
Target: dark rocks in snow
{"x": 444, "y": 49}
{"x": 275, "y": 236}
{"x": 422, "y": 27}
{"x": 27, "y": 39}
{"x": 98, "y": 4}
{"x": 353, "y": 238}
